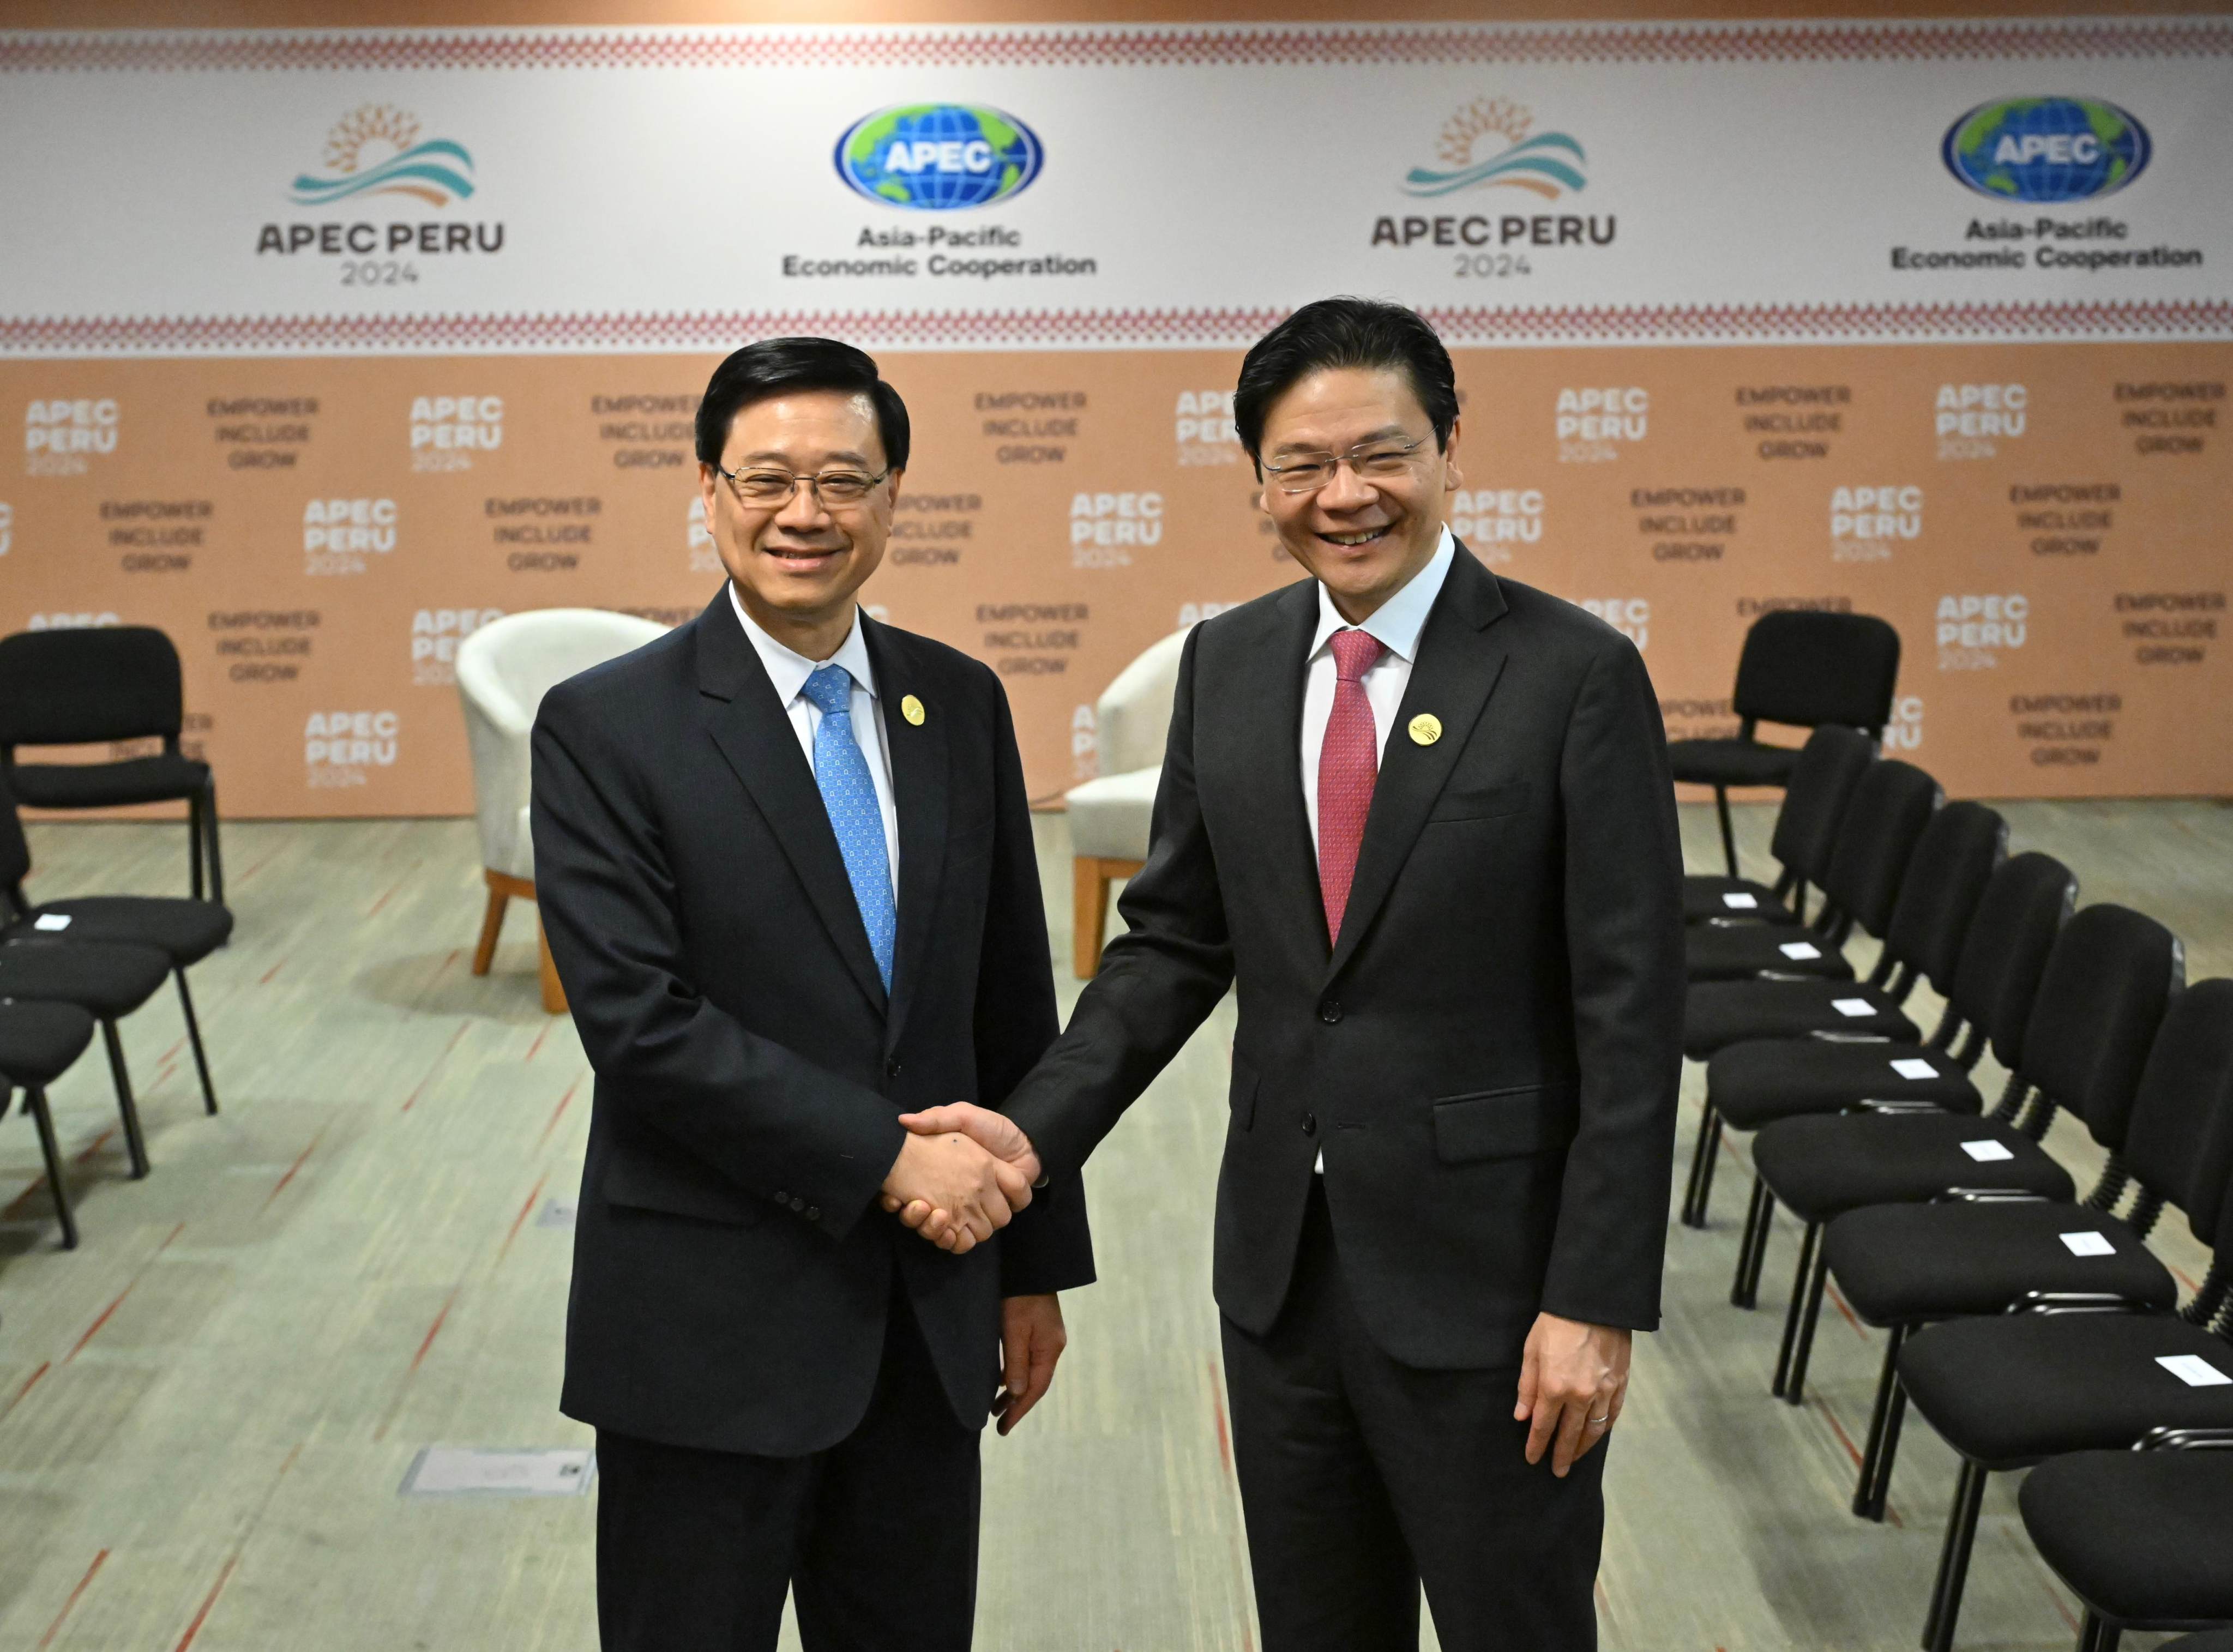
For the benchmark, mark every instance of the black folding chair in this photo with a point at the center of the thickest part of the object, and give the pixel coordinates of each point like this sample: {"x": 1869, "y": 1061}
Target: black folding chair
{"x": 2143, "y": 1538}
{"x": 185, "y": 931}
{"x": 1800, "y": 668}
{"x": 1903, "y": 1266}
{"x": 1750, "y": 1086}
{"x": 2066, "y": 1372}
{"x": 2112, "y": 975}
{"x": 1830, "y": 765}
{"x": 38, "y": 1041}
{"x": 95, "y": 686}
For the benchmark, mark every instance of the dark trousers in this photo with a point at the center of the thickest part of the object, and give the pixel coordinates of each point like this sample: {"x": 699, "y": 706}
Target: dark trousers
{"x": 1361, "y": 1479}
{"x": 876, "y": 1537}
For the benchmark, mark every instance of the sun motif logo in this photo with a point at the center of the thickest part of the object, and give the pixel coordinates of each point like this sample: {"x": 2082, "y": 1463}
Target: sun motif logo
{"x": 1549, "y": 163}
{"x": 374, "y": 150}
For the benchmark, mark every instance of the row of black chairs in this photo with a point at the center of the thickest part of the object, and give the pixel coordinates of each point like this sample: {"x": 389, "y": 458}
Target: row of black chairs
{"x": 69, "y": 968}
{"x": 2024, "y": 1323}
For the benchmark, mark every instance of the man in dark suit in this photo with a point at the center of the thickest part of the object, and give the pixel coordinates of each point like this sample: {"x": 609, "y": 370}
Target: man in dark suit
{"x": 1422, "y": 815}
{"x": 783, "y": 858}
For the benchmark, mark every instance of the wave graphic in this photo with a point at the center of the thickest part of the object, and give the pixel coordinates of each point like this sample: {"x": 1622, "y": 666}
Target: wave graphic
{"x": 424, "y": 170}
{"x": 1525, "y": 166}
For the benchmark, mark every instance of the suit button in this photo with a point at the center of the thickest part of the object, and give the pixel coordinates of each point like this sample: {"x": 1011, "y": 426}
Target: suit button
{"x": 783, "y": 1199}
{"x": 798, "y": 1204}
{"x": 812, "y": 1214}
{"x": 892, "y": 1067}
{"x": 1330, "y": 1012}
{"x": 1310, "y": 1124}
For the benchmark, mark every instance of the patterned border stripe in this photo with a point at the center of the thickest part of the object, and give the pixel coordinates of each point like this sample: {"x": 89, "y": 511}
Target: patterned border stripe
{"x": 33, "y": 336}
{"x": 1083, "y": 47}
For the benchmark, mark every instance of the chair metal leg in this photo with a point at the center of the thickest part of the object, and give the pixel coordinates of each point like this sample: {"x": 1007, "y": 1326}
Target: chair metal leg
{"x": 1809, "y": 1243}
{"x": 1954, "y": 1559}
{"x": 194, "y": 847}
{"x": 1760, "y": 1217}
{"x": 135, "y": 1144}
{"x": 216, "y": 856}
{"x": 35, "y": 1103}
{"x": 491, "y": 928}
{"x": 194, "y": 1037}
{"x": 2089, "y": 1631}
{"x": 1729, "y": 832}
{"x": 1702, "y": 1157}
{"x": 2107, "y": 1639}
{"x": 1875, "y": 1483}
{"x": 1795, "y": 1385}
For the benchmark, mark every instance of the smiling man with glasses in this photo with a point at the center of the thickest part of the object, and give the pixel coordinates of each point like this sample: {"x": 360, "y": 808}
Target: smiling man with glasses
{"x": 1420, "y": 815}
{"x": 784, "y": 856}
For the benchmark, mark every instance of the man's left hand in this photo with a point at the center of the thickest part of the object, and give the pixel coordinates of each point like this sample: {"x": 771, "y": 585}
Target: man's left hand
{"x": 1573, "y": 1381}
{"x": 1032, "y": 1340}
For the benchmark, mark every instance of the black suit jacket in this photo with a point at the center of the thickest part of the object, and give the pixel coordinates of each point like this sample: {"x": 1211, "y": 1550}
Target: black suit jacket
{"x": 1488, "y": 1058}
{"x": 732, "y": 1273}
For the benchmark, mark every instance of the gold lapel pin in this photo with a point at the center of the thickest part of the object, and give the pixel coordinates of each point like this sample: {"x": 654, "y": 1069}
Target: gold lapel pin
{"x": 1426, "y": 729}
{"x": 911, "y": 709}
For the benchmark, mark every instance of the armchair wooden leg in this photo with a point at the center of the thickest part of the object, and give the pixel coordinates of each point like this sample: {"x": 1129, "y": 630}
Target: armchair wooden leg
{"x": 554, "y": 992}
{"x": 1090, "y": 877}
{"x": 491, "y": 923}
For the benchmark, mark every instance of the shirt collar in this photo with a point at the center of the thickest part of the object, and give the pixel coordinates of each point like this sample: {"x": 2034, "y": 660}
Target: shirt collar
{"x": 788, "y": 670}
{"x": 1396, "y": 622}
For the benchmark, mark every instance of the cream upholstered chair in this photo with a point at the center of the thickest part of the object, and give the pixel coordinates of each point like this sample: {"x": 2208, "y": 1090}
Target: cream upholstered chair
{"x": 1108, "y": 816}
{"x": 503, "y": 670}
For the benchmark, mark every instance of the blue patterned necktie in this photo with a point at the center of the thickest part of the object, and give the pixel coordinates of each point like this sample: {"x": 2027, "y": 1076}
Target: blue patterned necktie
{"x": 849, "y": 795}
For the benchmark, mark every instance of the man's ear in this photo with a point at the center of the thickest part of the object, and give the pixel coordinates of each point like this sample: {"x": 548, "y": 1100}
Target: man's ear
{"x": 1452, "y": 479}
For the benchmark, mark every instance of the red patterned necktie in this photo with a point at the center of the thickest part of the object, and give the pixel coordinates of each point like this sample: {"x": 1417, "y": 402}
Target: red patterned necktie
{"x": 1349, "y": 763}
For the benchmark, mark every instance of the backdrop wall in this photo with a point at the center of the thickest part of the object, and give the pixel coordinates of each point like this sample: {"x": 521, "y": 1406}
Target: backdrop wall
{"x": 329, "y": 347}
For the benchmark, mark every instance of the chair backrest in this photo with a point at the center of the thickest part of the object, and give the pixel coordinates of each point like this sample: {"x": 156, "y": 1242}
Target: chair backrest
{"x": 2005, "y": 952}
{"x": 14, "y": 857}
{"x": 2180, "y": 1144}
{"x": 2110, "y": 977}
{"x": 503, "y": 670}
{"x": 76, "y": 687}
{"x": 1954, "y": 860}
{"x": 1814, "y": 803}
{"x": 1892, "y": 803}
{"x": 1811, "y": 668}
{"x": 1132, "y": 718}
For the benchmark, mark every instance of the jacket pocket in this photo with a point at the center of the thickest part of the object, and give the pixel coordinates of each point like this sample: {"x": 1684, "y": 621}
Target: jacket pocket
{"x": 1481, "y": 803}
{"x": 1498, "y": 1124}
{"x": 1243, "y": 1094}
{"x": 632, "y": 1182}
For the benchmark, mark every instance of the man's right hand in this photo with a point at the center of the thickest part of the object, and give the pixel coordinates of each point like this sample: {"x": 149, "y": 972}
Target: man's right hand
{"x": 952, "y": 1175}
{"x": 994, "y": 1131}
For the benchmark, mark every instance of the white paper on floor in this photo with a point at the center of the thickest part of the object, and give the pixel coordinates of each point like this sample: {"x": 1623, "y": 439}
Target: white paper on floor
{"x": 559, "y": 1212}
{"x": 471, "y": 1471}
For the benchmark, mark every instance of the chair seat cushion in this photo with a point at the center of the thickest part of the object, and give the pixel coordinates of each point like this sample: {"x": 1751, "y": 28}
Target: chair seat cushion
{"x": 2145, "y": 1536}
{"x": 1731, "y": 763}
{"x": 1821, "y": 1167}
{"x": 1755, "y": 1084}
{"x": 188, "y": 931}
{"x": 1906, "y": 1264}
{"x": 1713, "y": 953}
{"x": 1110, "y": 817}
{"x": 109, "y": 980}
{"x": 1716, "y": 1014}
{"x": 39, "y": 1041}
{"x": 2012, "y": 1389}
{"x": 1705, "y": 898}
{"x": 158, "y": 779}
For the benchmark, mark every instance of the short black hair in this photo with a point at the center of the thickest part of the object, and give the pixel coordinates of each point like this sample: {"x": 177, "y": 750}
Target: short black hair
{"x": 1344, "y": 332}
{"x": 777, "y": 367}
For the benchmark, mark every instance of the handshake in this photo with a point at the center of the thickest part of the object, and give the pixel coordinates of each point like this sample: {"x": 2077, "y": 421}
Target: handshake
{"x": 962, "y": 1174}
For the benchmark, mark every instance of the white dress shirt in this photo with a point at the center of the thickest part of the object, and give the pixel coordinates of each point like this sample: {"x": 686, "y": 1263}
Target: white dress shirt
{"x": 789, "y": 671}
{"x": 1397, "y": 623}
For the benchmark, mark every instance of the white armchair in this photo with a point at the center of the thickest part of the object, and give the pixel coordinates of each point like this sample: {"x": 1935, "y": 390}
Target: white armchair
{"x": 503, "y": 670}
{"x": 1109, "y": 816}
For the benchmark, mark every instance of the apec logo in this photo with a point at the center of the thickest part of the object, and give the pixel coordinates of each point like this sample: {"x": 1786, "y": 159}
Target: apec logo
{"x": 939, "y": 157}
{"x": 2048, "y": 149}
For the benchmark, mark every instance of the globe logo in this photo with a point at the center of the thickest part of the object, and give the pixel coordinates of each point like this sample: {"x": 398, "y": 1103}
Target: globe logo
{"x": 2046, "y": 148}
{"x": 939, "y": 157}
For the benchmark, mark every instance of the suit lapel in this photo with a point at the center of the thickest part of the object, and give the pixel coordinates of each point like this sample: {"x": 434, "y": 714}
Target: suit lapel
{"x": 747, "y": 723}
{"x": 1455, "y": 672}
{"x": 920, "y": 757}
{"x": 1269, "y": 757}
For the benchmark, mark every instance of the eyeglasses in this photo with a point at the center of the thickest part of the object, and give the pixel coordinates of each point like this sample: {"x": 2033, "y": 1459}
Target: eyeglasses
{"x": 1308, "y": 472}
{"x": 760, "y": 489}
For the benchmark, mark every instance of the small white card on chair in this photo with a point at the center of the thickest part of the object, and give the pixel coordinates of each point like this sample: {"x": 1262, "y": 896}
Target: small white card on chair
{"x": 52, "y": 920}
{"x": 1741, "y": 903}
{"x": 2087, "y": 1243}
{"x": 2193, "y": 1370}
{"x": 1852, "y": 1006}
{"x": 1800, "y": 949}
{"x": 1986, "y": 1152}
{"x": 1915, "y": 1067}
